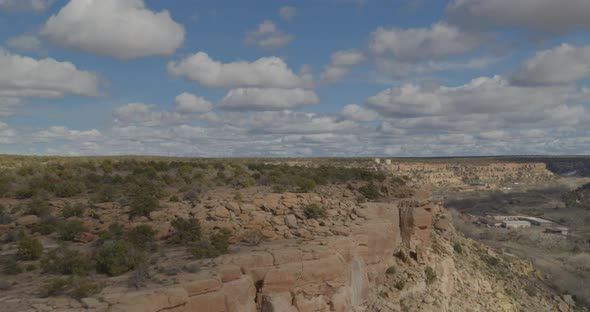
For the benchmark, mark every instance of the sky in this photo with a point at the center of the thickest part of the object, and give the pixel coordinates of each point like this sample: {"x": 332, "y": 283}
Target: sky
{"x": 307, "y": 78}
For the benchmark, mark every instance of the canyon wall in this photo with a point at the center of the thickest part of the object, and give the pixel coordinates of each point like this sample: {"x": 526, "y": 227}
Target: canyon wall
{"x": 330, "y": 273}
{"x": 465, "y": 174}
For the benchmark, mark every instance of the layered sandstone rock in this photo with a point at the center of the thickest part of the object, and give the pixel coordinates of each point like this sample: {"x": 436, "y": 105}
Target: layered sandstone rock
{"x": 330, "y": 273}
{"x": 487, "y": 174}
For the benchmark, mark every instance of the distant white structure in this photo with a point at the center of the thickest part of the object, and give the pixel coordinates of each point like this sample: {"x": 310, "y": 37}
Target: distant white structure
{"x": 388, "y": 161}
{"x": 516, "y": 224}
{"x": 377, "y": 160}
{"x": 536, "y": 221}
{"x": 507, "y": 218}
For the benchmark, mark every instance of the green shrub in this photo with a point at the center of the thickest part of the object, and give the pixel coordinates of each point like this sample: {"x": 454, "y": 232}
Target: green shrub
{"x": 66, "y": 261}
{"x": 138, "y": 277}
{"x": 69, "y": 210}
{"x": 5, "y": 218}
{"x": 68, "y": 188}
{"x": 390, "y": 270}
{"x": 314, "y": 211}
{"x": 70, "y": 229}
{"x": 82, "y": 288}
{"x": 39, "y": 206}
{"x": 74, "y": 287}
{"x": 29, "y": 248}
{"x": 47, "y": 226}
{"x": 141, "y": 237}
{"x": 458, "y": 248}
{"x": 217, "y": 245}
{"x": 5, "y": 180}
{"x": 55, "y": 287}
{"x": 142, "y": 203}
{"x": 174, "y": 199}
{"x": 24, "y": 193}
{"x": 305, "y": 185}
{"x": 279, "y": 188}
{"x": 370, "y": 191}
{"x": 11, "y": 267}
{"x": 106, "y": 193}
{"x": 185, "y": 231}
{"x": 114, "y": 232}
{"x": 220, "y": 240}
{"x": 430, "y": 275}
{"x": 117, "y": 258}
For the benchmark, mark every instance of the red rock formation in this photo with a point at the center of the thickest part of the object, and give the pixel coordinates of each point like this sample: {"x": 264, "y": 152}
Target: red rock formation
{"x": 333, "y": 273}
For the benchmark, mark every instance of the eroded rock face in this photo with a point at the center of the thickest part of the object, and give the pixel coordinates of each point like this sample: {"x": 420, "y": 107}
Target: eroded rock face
{"x": 416, "y": 224}
{"x": 329, "y": 273}
{"x": 470, "y": 175}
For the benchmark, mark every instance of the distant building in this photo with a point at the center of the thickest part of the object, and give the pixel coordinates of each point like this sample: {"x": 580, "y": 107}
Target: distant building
{"x": 507, "y": 218}
{"x": 536, "y": 221}
{"x": 377, "y": 160}
{"x": 557, "y": 230}
{"x": 388, "y": 161}
{"x": 516, "y": 224}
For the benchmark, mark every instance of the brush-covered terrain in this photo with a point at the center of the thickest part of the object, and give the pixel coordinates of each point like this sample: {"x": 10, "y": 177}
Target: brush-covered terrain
{"x": 169, "y": 234}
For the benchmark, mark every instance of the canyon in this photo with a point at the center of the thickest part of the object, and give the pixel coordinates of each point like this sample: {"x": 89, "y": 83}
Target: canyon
{"x": 393, "y": 254}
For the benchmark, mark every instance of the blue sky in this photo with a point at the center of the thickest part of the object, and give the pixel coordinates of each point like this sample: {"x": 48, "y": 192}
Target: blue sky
{"x": 294, "y": 78}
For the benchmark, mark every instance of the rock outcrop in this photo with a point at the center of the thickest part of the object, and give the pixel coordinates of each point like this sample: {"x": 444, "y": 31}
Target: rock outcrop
{"x": 470, "y": 174}
{"x": 331, "y": 273}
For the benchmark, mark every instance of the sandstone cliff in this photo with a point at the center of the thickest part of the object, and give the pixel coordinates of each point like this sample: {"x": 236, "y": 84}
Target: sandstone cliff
{"x": 469, "y": 175}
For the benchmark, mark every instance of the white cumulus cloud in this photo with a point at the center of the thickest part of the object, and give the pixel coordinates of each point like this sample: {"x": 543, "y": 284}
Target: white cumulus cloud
{"x": 415, "y": 44}
{"x": 358, "y": 113}
{"x": 560, "y": 65}
{"x": 23, "y": 76}
{"x": 145, "y": 115}
{"x": 124, "y": 29}
{"x": 340, "y": 63}
{"x": 267, "y": 99}
{"x": 191, "y": 104}
{"x": 63, "y": 133}
{"x": 268, "y": 37}
{"x": 271, "y": 72}
{"x": 539, "y": 16}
